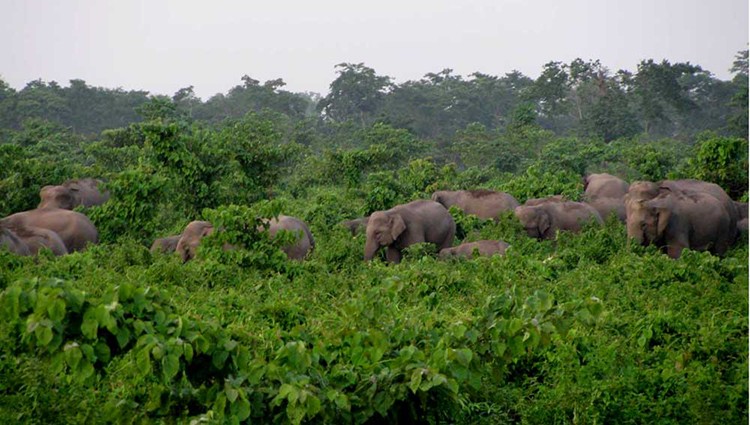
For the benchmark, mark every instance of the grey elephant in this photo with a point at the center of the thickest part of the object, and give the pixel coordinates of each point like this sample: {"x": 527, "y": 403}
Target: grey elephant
{"x": 408, "y": 224}
{"x": 74, "y": 229}
{"x": 741, "y": 208}
{"x": 486, "y": 204}
{"x": 677, "y": 219}
{"x": 197, "y": 230}
{"x": 304, "y": 243}
{"x": 73, "y": 193}
{"x": 166, "y": 245}
{"x": 549, "y": 199}
{"x": 357, "y": 225}
{"x": 606, "y": 193}
{"x": 643, "y": 191}
{"x": 485, "y": 248}
{"x": 11, "y": 242}
{"x": 543, "y": 220}
{"x": 37, "y": 238}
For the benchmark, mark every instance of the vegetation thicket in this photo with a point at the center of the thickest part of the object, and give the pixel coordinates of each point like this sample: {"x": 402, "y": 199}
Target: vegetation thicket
{"x": 588, "y": 328}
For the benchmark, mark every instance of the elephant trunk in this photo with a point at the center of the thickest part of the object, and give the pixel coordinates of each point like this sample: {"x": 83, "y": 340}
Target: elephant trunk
{"x": 371, "y": 247}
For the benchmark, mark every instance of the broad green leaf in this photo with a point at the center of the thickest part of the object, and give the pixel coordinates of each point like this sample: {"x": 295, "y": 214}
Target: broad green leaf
{"x": 73, "y": 355}
{"x": 170, "y": 364}
{"x": 240, "y": 409}
{"x": 56, "y": 310}
{"x": 416, "y": 380}
{"x": 143, "y": 362}
{"x": 43, "y": 335}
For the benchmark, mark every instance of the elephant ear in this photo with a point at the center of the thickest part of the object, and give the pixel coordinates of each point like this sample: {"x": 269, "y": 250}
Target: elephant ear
{"x": 661, "y": 210}
{"x": 397, "y": 226}
{"x": 207, "y": 231}
{"x": 544, "y": 223}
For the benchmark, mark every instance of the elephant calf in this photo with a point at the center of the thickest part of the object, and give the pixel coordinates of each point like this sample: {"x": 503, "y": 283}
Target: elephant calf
{"x": 24, "y": 240}
{"x": 486, "y": 204}
{"x": 485, "y": 248}
{"x": 408, "y": 224}
{"x": 10, "y": 241}
{"x": 542, "y": 221}
{"x": 165, "y": 245}
{"x": 357, "y": 225}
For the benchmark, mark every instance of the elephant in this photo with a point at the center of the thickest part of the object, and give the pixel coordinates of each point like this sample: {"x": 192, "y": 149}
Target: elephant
{"x": 10, "y": 241}
{"x": 486, "y": 248}
{"x": 73, "y": 193}
{"x": 678, "y": 219}
{"x": 305, "y": 242}
{"x": 642, "y": 191}
{"x": 542, "y": 221}
{"x": 604, "y": 186}
{"x": 166, "y": 245}
{"x": 197, "y": 230}
{"x": 408, "y": 224}
{"x": 606, "y": 193}
{"x": 74, "y": 229}
{"x": 539, "y": 201}
{"x": 36, "y": 238}
{"x": 191, "y": 237}
{"x": 357, "y": 225}
{"x": 486, "y": 204}
{"x": 741, "y": 208}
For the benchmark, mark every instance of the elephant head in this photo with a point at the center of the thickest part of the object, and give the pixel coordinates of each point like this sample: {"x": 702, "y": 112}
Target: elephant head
{"x": 383, "y": 228}
{"x": 640, "y": 219}
{"x": 535, "y": 220}
{"x": 58, "y": 197}
{"x": 191, "y": 238}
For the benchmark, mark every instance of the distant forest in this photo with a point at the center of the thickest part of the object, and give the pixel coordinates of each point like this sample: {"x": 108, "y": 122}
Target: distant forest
{"x": 581, "y": 99}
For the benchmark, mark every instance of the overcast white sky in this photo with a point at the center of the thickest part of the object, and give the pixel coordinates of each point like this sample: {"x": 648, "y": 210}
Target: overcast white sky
{"x": 161, "y": 46}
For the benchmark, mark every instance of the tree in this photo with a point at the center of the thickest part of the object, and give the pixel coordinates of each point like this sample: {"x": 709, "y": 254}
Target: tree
{"x": 658, "y": 93}
{"x": 739, "y": 102}
{"x": 356, "y": 94}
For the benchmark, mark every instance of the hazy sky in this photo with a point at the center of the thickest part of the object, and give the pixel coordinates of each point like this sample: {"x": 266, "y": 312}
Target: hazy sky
{"x": 161, "y": 46}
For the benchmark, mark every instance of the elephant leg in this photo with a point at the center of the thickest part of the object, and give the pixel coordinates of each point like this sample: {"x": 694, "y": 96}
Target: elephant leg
{"x": 393, "y": 255}
{"x": 674, "y": 250}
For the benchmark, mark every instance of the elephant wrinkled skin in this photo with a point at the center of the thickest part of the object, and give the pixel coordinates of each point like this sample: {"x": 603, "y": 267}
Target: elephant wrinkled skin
{"x": 408, "y": 224}
{"x": 486, "y": 204}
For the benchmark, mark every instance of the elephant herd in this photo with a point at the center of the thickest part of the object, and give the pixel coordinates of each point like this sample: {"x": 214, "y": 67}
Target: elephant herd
{"x": 52, "y": 224}
{"x": 672, "y": 214}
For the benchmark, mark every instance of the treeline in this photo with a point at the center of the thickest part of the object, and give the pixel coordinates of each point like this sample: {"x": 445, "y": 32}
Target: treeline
{"x": 581, "y": 98}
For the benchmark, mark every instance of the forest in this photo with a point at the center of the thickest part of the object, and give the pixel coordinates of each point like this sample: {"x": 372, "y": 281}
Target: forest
{"x": 584, "y": 327}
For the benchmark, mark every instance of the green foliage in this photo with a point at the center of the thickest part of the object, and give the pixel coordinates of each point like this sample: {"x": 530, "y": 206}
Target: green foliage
{"x": 536, "y": 182}
{"x": 721, "y": 160}
{"x": 131, "y": 211}
{"x": 586, "y": 328}
{"x": 571, "y": 155}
